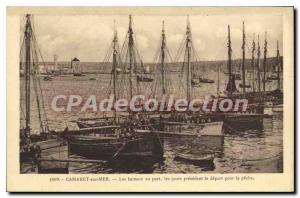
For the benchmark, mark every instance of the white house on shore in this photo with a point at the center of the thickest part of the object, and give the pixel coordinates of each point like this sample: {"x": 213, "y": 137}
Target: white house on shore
{"x": 75, "y": 66}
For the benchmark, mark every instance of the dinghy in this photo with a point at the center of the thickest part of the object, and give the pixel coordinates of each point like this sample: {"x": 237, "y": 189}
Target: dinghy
{"x": 207, "y": 160}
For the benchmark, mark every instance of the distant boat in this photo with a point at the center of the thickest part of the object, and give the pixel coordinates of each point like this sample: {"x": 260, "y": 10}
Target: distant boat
{"x": 205, "y": 80}
{"x": 267, "y": 80}
{"x": 119, "y": 71}
{"x": 48, "y": 78}
{"x": 237, "y": 76}
{"x": 147, "y": 70}
{"x": 246, "y": 86}
{"x": 272, "y": 78}
{"x": 195, "y": 82}
{"x": 78, "y": 74}
{"x": 207, "y": 160}
{"x": 144, "y": 79}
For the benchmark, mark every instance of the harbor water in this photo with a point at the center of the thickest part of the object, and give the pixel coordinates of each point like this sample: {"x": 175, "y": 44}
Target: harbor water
{"x": 250, "y": 151}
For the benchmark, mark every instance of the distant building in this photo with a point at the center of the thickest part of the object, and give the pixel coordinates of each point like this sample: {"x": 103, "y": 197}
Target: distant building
{"x": 75, "y": 66}
{"x": 47, "y": 68}
{"x": 42, "y": 69}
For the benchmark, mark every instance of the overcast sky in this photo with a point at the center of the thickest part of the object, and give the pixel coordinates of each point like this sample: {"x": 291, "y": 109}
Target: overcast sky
{"x": 89, "y": 37}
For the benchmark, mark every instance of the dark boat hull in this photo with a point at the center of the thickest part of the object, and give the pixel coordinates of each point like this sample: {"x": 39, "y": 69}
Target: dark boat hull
{"x": 272, "y": 78}
{"x": 238, "y": 124}
{"x": 246, "y": 86}
{"x": 48, "y": 78}
{"x": 78, "y": 75}
{"x": 83, "y": 125}
{"x": 56, "y": 169}
{"x": 45, "y": 156}
{"x": 148, "y": 145}
{"x": 93, "y": 149}
{"x": 204, "y": 80}
{"x": 144, "y": 79}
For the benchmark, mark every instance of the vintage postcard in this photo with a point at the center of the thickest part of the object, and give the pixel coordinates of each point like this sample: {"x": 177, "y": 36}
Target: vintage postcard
{"x": 150, "y": 99}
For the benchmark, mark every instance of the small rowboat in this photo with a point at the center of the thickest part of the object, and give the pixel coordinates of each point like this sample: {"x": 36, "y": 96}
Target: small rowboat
{"x": 205, "y": 80}
{"x": 246, "y": 86}
{"x": 48, "y": 78}
{"x": 207, "y": 160}
{"x": 272, "y": 78}
{"x": 144, "y": 79}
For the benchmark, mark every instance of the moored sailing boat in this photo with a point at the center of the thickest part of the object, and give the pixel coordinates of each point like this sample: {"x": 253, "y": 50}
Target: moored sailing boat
{"x": 253, "y": 117}
{"x": 115, "y": 138}
{"x": 185, "y": 123}
{"x": 44, "y": 144}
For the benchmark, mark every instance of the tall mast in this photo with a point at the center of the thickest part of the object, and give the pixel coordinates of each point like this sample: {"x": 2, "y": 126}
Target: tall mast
{"x": 243, "y": 62}
{"x": 131, "y": 54}
{"x": 258, "y": 64}
{"x": 28, "y": 33}
{"x": 265, "y": 62}
{"x": 188, "y": 48}
{"x": 218, "y": 85}
{"x": 253, "y": 63}
{"x": 278, "y": 67}
{"x": 163, "y": 47}
{"x": 231, "y": 80}
{"x": 115, "y": 64}
{"x": 229, "y": 53}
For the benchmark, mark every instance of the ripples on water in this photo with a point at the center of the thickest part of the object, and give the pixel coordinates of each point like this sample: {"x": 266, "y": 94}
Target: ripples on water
{"x": 249, "y": 151}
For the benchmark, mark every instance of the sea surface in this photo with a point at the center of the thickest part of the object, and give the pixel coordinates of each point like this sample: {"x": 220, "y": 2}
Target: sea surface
{"x": 250, "y": 151}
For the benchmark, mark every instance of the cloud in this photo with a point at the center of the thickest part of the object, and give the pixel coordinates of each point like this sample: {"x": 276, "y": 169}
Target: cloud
{"x": 89, "y": 37}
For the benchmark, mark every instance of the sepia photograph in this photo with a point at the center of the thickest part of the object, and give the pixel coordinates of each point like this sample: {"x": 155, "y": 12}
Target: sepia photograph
{"x": 129, "y": 92}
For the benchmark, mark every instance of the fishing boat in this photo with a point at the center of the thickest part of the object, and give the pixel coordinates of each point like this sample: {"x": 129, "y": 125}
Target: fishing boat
{"x": 114, "y": 142}
{"x": 253, "y": 117}
{"x": 201, "y": 78}
{"x": 146, "y": 75}
{"x": 186, "y": 124}
{"x": 111, "y": 139}
{"x": 43, "y": 143}
{"x": 275, "y": 96}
